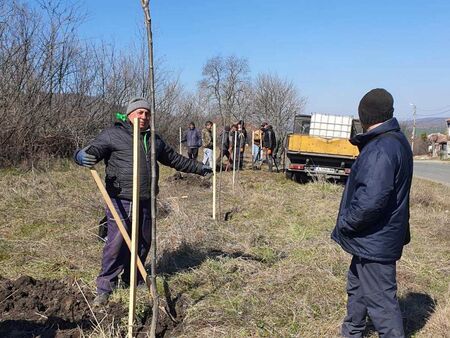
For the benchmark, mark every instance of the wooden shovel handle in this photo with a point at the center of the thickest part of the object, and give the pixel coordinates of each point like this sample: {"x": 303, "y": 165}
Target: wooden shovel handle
{"x": 119, "y": 222}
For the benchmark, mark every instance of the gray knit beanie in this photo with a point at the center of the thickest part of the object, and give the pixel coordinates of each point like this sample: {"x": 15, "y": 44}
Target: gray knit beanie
{"x": 137, "y": 103}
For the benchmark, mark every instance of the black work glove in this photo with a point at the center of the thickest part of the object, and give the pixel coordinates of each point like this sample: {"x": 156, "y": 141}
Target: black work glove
{"x": 85, "y": 159}
{"x": 206, "y": 170}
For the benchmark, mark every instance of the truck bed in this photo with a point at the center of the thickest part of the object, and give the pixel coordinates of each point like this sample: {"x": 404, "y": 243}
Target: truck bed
{"x": 336, "y": 147}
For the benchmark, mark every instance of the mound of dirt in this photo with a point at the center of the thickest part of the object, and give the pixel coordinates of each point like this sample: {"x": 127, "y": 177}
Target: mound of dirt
{"x": 50, "y": 308}
{"x": 189, "y": 179}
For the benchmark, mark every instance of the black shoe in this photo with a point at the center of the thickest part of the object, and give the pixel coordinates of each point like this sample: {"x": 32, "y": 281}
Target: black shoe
{"x": 101, "y": 299}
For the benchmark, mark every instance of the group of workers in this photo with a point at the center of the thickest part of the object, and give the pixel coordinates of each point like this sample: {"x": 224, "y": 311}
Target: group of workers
{"x": 372, "y": 224}
{"x": 232, "y": 140}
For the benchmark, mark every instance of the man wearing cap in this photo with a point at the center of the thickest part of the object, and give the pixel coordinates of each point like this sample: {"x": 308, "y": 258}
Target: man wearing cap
{"x": 373, "y": 220}
{"x": 115, "y": 146}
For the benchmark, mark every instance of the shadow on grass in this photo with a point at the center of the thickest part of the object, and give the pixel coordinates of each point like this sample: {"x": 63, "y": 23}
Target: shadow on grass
{"x": 47, "y": 329}
{"x": 416, "y": 309}
{"x": 187, "y": 257}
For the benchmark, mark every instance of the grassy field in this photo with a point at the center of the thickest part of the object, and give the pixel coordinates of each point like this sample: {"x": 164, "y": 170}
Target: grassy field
{"x": 269, "y": 270}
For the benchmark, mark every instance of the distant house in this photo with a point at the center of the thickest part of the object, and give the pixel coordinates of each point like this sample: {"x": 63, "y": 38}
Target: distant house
{"x": 448, "y": 139}
{"x": 440, "y": 143}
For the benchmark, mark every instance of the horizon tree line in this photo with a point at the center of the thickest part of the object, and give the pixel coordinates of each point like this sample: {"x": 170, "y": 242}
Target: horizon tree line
{"x": 57, "y": 90}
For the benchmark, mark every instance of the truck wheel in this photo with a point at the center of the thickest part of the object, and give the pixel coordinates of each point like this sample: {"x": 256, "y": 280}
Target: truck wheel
{"x": 290, "y": 175}
{"x": 301, "y": 178}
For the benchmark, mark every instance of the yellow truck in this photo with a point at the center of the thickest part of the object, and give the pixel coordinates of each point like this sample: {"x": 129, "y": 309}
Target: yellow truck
{"x": 319, "y": 147}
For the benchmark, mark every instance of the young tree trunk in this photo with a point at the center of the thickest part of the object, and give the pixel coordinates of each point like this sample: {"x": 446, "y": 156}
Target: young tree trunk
{"x": 151, "y": 77}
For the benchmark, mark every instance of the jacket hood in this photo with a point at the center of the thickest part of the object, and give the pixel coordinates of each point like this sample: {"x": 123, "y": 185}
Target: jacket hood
{"x": 360, "y": 140}
{"x": 123, "y": 124}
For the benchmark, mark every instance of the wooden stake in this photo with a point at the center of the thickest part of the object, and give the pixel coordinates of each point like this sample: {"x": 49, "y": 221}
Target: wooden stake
{"x": 120, "y": 225}
{"x": 253, "y": 142}
{"x": 214, "y": 171}
{"x": 180, "y": 143}
{"x": 134, "y": 224}
{"x": 234, "y": 157}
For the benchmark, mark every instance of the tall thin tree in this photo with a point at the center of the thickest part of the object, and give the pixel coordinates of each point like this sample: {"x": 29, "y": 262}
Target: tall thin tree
{"x": 151, "y": 77}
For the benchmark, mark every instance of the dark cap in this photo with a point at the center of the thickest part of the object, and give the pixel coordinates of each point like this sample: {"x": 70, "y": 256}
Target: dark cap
{"x": 376, "y": 106}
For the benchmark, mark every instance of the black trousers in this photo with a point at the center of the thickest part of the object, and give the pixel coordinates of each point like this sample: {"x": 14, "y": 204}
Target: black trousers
{"x": 193, "y": 153}
{"x": 372, "y": 290}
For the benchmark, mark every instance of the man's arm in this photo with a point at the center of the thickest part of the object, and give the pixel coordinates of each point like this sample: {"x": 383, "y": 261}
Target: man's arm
{"x": 171, "y": 158}
{"x": 374, "y": 186}
{"x": 100, "y": 148}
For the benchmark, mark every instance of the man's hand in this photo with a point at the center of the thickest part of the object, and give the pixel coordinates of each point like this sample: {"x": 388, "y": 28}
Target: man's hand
{"x": 85, "y": 159}
{"x": 206, "y": 170}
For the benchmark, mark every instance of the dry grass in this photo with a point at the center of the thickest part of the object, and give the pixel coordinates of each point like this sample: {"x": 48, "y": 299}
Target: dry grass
{"x": 271, "y": 270}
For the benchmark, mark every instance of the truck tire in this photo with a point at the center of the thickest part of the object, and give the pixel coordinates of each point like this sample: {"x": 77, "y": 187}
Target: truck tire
{"x": 289, "y": 175}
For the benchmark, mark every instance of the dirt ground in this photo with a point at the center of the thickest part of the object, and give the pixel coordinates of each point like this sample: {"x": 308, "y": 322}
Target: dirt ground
{"x": 50, "y": 308}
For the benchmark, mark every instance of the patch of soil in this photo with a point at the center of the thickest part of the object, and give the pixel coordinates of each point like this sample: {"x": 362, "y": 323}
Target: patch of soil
{"x": 228, "y": 215}
{"x": 49, "y": 308}
{"x": 189, "y": 179}
{"x": 163, "y": 209}
{"x": 169, "y": 320}
{"x": 57, "y": 308}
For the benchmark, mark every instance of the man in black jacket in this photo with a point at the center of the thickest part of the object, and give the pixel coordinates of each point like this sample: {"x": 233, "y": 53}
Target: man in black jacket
{"x": 373, "y": 220}
{"x": 269, "y": 144}
{"x": 115, "y": 146}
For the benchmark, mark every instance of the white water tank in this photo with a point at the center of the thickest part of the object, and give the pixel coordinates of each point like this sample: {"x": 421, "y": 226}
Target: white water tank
{"x": 330, "y": 126}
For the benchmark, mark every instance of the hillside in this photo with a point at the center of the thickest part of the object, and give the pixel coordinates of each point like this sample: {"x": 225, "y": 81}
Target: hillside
{"x": 270, "y": 270}
{"x": 428, "y": 125}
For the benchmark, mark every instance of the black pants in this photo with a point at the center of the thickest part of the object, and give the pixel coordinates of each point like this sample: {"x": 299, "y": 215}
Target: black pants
{"x": 239, "y": 158}
{"x": 372, "y": 290}
{"x": 193, "y": 153}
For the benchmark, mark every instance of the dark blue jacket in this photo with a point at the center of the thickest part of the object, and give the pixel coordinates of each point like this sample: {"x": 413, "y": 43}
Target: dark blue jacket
{"x": 373, "y": 219}
{"x": 193, "y": 138}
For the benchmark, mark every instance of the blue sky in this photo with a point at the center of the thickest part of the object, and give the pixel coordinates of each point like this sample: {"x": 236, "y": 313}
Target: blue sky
{"x": 334, "y": 51}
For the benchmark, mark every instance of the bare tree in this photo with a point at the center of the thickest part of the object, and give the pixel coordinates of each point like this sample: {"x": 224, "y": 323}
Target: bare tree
{"x": 226, "y": 84}
{"x": 57, "y": 91}
{"x": 276, "y": 101}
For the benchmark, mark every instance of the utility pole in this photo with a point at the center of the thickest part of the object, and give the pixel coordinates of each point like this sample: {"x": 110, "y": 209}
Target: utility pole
{"x": 414, "y": 127}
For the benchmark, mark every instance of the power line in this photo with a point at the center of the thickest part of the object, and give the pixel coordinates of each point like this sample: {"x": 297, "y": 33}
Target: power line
{"x": 435, "y": 114}
{"x": 435, "y": 109}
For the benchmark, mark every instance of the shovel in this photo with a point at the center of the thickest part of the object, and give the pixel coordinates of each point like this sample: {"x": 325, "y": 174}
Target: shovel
{"x": 120, "y": 225}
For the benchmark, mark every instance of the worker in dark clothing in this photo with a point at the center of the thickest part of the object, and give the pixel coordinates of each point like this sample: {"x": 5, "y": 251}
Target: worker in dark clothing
{"x": 234, "y": 141}
{"x": 269, "y": 145}
{"x": 193, "y": 140}
{"x": 115, "y": 146}
{"x": 242, "y": 140}
{"x": 225, "y": 146}
{"x": 373, "y": 219}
